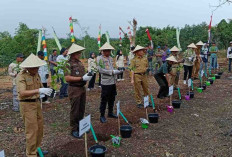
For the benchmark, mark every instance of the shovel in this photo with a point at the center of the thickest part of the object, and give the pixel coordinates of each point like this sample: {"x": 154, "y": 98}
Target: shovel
{"x": 124, "y": 118}
{"x": 153, "y": 103}
{"x": 40, "y": 152}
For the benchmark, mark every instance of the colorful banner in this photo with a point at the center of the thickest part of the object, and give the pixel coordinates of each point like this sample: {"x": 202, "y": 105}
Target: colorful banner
{"x": 44, "y": 45}
{"x": 99, "y": 37}
{"x": 178, "y": 38}
{"x": 130, "y": 35}
{"x": 39, "y": 41}
{"x": 71, "y": 30}
{"x": 148, "y": 34}
{"x": 56, "y": 39}
{"x": 209, "y": 30}
{"x": 107, "y": 37}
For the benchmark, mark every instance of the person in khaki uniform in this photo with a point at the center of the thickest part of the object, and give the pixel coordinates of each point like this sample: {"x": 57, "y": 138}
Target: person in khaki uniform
{"x": 198, "y": 60}
{"x": 174, "y": 79}
{"x": 139, "y": 66}
{"x": 29, "y": 88}
{"x": 76, "y": 91}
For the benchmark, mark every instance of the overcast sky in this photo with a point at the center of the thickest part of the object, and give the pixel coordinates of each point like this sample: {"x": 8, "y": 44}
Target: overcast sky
{"x": 109, "y": 13}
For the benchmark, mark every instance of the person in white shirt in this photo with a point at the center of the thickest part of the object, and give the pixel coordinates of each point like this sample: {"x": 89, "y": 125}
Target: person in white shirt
{"x": 43, "y": 73}
{"x": 229, "y": 55}
{"x": 13, "y": 71}
{"x": 64, "y": 86}
{"x": 92, "y": 67}
{"x": 120, "y": 64}
{"x": 131, "y": 55}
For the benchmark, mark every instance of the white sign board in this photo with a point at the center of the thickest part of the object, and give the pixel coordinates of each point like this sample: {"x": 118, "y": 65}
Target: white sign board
{"x": 2, "y": 154}
{"x": 170, "y": 90}
{"x": 118, "y": 108}
{"x": 84, "y": 125}
{"x": 146, "y": 101}
{"x": 202, "y": 73}
{"x": 189, "y": 82}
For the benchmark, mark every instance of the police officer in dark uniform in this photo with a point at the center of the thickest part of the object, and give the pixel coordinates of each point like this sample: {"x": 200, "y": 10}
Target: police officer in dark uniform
{"x": 76, "y": 79}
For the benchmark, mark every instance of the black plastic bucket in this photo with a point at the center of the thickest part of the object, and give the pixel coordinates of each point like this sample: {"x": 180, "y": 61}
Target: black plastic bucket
{"x": 126, "y": 131}
{"x": 97, "y": 150}
{"x": 218, "y": 76}
{"x": 153, "y": 117}
{"x": 211, "y": 81}
{"x": 176, "y": 103}
{"x": 191, "y": 94}
{"x": 220, "y": 73}
{"x": 203, "y": 86}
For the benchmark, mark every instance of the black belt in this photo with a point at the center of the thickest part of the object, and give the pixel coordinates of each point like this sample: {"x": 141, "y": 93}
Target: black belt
{"x": 76, "y": 85}
{"x": 29, "y": 100}
{"x": 140, "y": 73}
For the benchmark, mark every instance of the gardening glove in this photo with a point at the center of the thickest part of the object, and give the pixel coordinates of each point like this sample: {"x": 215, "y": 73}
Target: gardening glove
{"x": 46, "y": 91}
{"x": 86, "y": 77}
{"x": 41, "y": 95}
{"x": 116, "y": 72}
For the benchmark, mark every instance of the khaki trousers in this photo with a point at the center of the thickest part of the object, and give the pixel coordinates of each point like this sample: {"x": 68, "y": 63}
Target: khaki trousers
{"x": 174, "y": 79}
{"x": 33, "y": 120}
{"x": 196, "y": 68}
{"x": 140, "y": 82}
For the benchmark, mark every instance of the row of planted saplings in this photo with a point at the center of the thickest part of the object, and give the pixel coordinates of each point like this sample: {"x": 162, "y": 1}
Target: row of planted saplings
{"x": 125, "y": 131}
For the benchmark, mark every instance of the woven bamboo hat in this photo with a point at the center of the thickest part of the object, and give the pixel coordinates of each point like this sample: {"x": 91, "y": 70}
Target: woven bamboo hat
{"x": 75, "y": 48}
{"x": 138, "y": 47}
{"x": 174, "y": 49}
{"x": 106, "y": 46}
{"x": 173, "y": 59}
{"x": 192, "y": 46}
{"x": 32, "y": 61}
{"x": 200, "y": 43}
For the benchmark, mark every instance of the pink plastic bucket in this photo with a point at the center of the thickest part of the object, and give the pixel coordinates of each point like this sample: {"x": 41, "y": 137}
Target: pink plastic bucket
{"x": 170, "y": 108}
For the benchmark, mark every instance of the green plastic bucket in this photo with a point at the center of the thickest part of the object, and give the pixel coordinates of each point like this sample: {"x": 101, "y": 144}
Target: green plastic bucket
{"x": 144, "y": 126}
{"x": 214, "y": 78}
{"x": 199, "y": 90}
{"x": 207, "y": 83}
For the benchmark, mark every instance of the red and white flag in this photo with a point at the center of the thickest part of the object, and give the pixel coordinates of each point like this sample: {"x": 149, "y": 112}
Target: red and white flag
{"x": 148, "y": 34}
{"x": 209, "y": 30}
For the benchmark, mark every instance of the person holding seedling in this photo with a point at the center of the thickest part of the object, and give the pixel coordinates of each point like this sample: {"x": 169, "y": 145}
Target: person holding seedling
{"x": 29, "y": 88}
{"x": 92, "y": 68}
{"x": 158, "y": 55}
{"x": 13, "y": 71}
{"x": 139, "y": 65}
{"x": 76, "y": 79}
{"x": 197, "y": 61}
{"x": 175, "y": 67}
{"x": 229, "y": 56}
{"x": 108, "y": 82}
{"x": 43, "y": 73}
{"x": 162, "y": 77}
{"x": 120, "y": 64}
{"x": 189, "y": 57}
{"x": 64, "y": 86}
{"x": 213, "y": 56}
{"x": 204, "y": 58}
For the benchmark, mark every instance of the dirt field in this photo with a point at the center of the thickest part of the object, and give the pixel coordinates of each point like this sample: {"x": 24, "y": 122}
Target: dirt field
{"x": 199, "y": 128}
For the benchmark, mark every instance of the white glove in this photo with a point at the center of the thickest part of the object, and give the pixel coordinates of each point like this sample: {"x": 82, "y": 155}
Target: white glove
{"x": 116, "y": 72}
{"x": 41, "y": 95}
{"x": 46, "y": 91}
{"x": 86, "y": 77}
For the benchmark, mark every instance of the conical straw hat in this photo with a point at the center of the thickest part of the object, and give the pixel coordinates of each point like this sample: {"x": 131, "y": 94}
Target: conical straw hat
{"x": 32, "y": 61}
{"x": 138, "y": 47}
{"x": 75, "y": 48}
{"x": 174, "y": 49}
{"x": 106, "y": 46}
{"x": 200, "y": 43}
{"x": 192, "y": 46}
{"x": 173, "y": 59}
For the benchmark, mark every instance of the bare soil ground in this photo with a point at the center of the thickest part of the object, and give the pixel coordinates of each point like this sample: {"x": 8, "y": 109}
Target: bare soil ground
{"x": 199, "y": 128}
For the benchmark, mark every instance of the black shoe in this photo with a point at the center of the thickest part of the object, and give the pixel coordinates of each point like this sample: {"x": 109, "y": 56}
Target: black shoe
{"x": 65, "y": 95}
{"x": 102, "y": 119}
{"x": 140, "y": 105}
{"x": 75, "y": 134}
{"x": 111, "y": 115}
{"x": 45, "y": 152}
